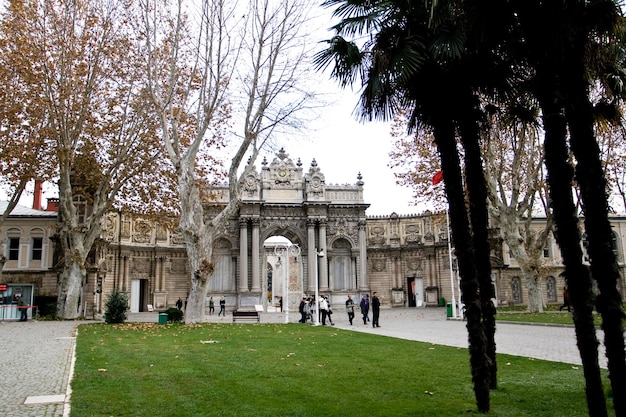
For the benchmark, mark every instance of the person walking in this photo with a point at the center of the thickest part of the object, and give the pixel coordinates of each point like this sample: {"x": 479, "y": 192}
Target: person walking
{"x": 375, "y": 309}
{"x": 323, "y": 310}
{"x": 22, "y": 305}
{"x": 365, "y": 308}
{"x": 314, "y": 319}
{"x": 329, "y": 311}
{"x": 302, "y": 310}
{"x": 179, "y": 303}
{"x": 566, "y": 302}
{"x": 350, "y": 309}
{"x": 211, "y": 305}
{"x": 222, "y": 307}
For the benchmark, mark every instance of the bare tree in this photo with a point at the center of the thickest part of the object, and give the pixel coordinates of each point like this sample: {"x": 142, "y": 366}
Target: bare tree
{"x": 78, "y": 65}
{"x": 514, "y": 176}
{"x": 209, "y": 69}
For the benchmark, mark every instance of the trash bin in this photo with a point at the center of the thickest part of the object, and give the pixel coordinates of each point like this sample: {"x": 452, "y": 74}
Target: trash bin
{"x": 162, "y": 318}
{"x": 442, "y": 302}
{"x": 449, "y": 310}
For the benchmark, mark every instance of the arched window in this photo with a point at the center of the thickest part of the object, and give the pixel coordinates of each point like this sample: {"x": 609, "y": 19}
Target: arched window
{"x": 551, "y": 289}
{"x": 341, "y": 266}
{"x": 516, "y": 290}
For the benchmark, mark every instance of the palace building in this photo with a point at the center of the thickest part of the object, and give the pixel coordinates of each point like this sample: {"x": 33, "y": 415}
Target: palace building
{"x": 294, "y": 234}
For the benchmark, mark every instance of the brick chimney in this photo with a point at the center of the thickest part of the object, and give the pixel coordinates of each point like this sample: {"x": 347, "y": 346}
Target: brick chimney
{"x": 53, "y": 204}
{"x": 37, "y": 195}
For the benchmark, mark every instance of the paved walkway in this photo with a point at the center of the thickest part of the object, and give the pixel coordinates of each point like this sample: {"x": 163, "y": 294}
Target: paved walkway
{"x": 37, "y": 356}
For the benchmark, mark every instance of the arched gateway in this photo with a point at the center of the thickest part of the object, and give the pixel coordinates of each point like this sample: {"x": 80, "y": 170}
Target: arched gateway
{"x": 282, "y": 200}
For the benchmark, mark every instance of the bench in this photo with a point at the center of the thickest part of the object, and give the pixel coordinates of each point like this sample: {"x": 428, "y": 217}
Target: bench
{"x": 246, "y": 315}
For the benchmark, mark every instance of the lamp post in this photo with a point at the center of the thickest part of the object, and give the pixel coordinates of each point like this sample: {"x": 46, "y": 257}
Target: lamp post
{"x": 287, "y": 249}
{"x": 318, "y": 254}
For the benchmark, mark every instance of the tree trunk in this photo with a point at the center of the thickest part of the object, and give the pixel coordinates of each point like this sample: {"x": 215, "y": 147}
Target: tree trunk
{"x": 69, "y": 300}
{"x": 479, "y": 214}
{"x": 560, "y": 179}
{"x": 459, "y": 223}
{"x": 604, "y": 268}
{"x": 198, "y": 241}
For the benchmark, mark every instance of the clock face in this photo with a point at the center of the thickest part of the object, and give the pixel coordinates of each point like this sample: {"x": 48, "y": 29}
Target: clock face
{"x": 282, "y": 172}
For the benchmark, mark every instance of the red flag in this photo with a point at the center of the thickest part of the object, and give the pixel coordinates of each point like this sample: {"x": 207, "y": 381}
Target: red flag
{"x": 438, "y": 177}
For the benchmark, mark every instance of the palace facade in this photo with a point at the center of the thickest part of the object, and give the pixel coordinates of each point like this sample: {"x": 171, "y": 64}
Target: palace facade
{"x": 294, "y": 234}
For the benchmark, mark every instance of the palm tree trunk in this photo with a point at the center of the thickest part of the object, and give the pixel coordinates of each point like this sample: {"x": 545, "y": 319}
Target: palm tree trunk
{"x": 604, "y": 269}
{"x": 560, "y": 178}
{"x": 477, "y": 189}
{"x": 459, "y": 223}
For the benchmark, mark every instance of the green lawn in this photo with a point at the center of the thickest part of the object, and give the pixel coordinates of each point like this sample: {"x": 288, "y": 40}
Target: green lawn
{"x": 146, "y": 369}
{"x": 551, "y": 316}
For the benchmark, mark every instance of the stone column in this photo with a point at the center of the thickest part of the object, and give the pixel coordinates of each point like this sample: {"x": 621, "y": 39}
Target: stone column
{"x": 157, "y": 274}
{"x": 311, "y": 255}
{"x": 364, "y": 284}
{"x": 162, "y": 272}
{"x": 243, "y": 255}
{"x": 125, "y": 274}
{"x": 324, "y": 264}
{"x": 256, "y": 263}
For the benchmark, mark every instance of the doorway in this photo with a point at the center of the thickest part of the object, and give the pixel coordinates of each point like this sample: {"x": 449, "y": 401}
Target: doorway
{"x": 415, "y": 291}
{"x": 138, "y": 295}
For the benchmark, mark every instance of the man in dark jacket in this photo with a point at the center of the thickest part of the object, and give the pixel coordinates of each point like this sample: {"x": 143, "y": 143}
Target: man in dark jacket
{"x": 365, "y": 308}
{"x": 302, "y": 310}
{"x": 375, "y": 309}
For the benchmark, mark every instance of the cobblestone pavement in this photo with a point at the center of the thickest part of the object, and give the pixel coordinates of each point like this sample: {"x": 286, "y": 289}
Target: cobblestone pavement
{"x": 37, "y": 356}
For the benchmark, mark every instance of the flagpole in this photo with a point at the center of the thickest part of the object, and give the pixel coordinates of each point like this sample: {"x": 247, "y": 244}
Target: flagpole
{"x": 451, "y": 270}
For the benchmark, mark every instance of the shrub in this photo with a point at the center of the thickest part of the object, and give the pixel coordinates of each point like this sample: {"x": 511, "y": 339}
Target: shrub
{"x": 174, "y": 315}
{"x": 116, "y": 307}
{"x": 46, "y": 306}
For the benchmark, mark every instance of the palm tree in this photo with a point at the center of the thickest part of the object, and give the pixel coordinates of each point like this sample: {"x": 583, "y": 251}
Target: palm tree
{"x": 592, "y": 181}
{"x": 400, "y": 69}
{"x": 558, "y": 38}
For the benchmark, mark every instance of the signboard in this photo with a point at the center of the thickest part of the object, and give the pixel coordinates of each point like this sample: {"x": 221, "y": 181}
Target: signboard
{"x": 3, "y": 287}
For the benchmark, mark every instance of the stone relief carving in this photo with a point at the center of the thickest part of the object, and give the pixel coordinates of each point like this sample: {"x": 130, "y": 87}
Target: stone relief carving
{"x": 125, "y": 227}
{"x": 109, "y": 227}
{"x": 251, "y": 184}
{"x": 140, "y": 266}
{"x": 414, "y": 264}
{"x": 379, "y": 265}
{"x": 176, "y": 238}
{"x": 161, "y": 232}
{"x": 413, "y": 234}
{"x": 341, "y": 226}
{"x": 142, "y": 231}
{"x": 178, "y": 266}
{"x": 377, "y": 235}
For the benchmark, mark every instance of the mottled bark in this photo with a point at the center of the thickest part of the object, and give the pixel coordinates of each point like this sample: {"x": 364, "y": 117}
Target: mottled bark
{"x": 560, "y": 179}
{"x": 479, "y": 215}
{"x": 460, "y": 226}
{"x": 604, "y": 269}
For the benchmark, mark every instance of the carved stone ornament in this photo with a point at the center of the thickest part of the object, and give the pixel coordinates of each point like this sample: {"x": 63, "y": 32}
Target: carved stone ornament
{"x": 250, "y": 184}
{"x": 141, "y": 266}
{"x": 378, "y": 265}
{"x": 377, "y": 235}
{"x": 414, "y": 264}
{"x": 142, "y": 231}
{"x": 413, "y": 234}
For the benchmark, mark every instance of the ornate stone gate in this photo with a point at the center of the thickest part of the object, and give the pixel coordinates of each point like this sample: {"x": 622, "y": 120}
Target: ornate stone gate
{"x": 283, "y": 200}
